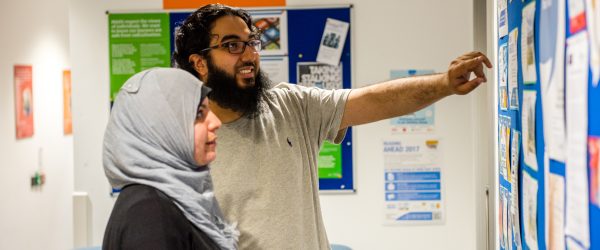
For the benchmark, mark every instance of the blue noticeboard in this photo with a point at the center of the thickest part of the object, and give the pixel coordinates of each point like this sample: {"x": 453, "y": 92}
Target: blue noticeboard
{"x": 305, "y": 29}
{"x": 554, "y": 167}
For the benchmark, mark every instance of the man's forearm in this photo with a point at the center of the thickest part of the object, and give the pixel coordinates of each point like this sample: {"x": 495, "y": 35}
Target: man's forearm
{"x": 394, "y": 98}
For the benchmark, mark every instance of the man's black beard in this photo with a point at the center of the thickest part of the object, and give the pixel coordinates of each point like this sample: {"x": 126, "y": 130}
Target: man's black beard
{"x": 227, "y": 94}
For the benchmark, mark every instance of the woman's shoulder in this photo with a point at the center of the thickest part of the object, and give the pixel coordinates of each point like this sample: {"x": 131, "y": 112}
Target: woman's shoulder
{"x": 147, "y": 205}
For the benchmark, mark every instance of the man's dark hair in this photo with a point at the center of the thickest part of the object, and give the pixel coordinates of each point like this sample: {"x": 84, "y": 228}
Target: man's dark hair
{"x": 194, "y": 34}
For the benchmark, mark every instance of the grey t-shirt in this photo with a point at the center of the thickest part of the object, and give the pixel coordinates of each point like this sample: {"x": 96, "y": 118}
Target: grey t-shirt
{"x": 266, "y": 176}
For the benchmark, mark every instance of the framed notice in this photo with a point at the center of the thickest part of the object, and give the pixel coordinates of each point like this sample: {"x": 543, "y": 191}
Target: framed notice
{"x": 137, "y": 42}
{"x": 67, "y": 120}
{"x": 23, "y": 100}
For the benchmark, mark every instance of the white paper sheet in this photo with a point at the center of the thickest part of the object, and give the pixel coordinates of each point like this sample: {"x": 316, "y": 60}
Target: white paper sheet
{"x": 514, "y": 182}
{"x": 577, "y": 214}
{"x": 325, "y": 76}
{"x": 528, "y": 44}
{"x": 513, "y": 66}
{"x": 552, "y": 32}
{"x": 332, "y": 42}
{"x": 503, "y": 76}
{"x": 546, "y": 169}
{"x": 505, "y": 218}
{"x": 501, "y": 218}
{"x": 530, "y": 189}
{"x": 504, "y": 146}
{"x": 413, "y": 181}
{"x": 592, "y": 19}
{"x": 556, "y": 211}
{"x": 576, "y": 15}
{"x": 528, "y": 127}
{"x": 502, "y": 18}
{"x": 276, "y": 68}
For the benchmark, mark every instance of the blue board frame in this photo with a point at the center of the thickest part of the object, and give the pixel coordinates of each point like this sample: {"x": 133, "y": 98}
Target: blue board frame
{"x": 555, "y": 167}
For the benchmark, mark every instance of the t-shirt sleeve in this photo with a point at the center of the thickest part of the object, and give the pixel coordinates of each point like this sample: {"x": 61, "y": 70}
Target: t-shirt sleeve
{"x": 323, "y": 110}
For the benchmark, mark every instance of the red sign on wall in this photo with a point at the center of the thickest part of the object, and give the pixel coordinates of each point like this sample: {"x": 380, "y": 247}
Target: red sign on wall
{"x": 67, "y": 118}
{"x": 23, "y": 100}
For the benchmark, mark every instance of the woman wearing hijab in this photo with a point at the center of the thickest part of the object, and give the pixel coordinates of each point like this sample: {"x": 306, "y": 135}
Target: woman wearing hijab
{"x": 157, "y": 145}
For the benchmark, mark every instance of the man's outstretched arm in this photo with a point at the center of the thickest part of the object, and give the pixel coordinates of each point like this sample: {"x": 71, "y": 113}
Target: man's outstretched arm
{"x": 407, "y": 95}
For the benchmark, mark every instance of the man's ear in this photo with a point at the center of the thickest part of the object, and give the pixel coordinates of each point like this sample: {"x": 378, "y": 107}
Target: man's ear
{"x": 199, "y": 64}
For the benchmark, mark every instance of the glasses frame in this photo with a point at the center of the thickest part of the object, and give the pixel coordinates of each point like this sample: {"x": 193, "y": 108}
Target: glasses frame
{"x": 257, "y": 47}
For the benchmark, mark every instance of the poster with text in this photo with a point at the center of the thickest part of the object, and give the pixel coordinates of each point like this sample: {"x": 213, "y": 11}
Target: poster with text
{"x": 67, "y": 117}
{"x": 23, "y": 80}
{"x": 413, "y": 190}
{"x": 320, "y": 75}
{"x": 276, "y": 68}
{"x": 503, "y": 76}
{"x": 528, "y": 45}
{"x": 332, "y": 42}
{"x": 422, "y": 121}
{"x": 136, "y": 42}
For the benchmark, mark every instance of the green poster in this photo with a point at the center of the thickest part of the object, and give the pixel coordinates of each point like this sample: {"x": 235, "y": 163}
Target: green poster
{"x": 137, "y": 42}
{"x": 330, "y": 161}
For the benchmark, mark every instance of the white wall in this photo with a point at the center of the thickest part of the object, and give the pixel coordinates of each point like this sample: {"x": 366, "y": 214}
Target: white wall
{"x": 416, "y": 34}
{"x": 35, "y": 33}
{"x": 422, "y": 35}
{"x": 88, "y": 26}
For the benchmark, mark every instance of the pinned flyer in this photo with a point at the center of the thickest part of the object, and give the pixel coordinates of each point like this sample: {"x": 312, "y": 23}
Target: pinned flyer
{"x": 413, "y": 181}
{"x": 332, "y": 42}
{"x": 528, "y": 127}
{"x": 502, "y": 18}
{"x": 528, "y": 45}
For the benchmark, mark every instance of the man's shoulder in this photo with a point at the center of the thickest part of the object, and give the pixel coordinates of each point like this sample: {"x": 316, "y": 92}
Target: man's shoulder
{"x": 283, "y": 87}
{"x": 285, "y": 90}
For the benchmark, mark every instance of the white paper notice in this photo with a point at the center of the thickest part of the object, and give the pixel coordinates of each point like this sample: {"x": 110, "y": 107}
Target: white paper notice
{"x": 528, "y": 44}
{"x": 577, "y": 214}
{"x": 332, "y": 42}
{"x": 276, "y": 68}
{"x": 503, "y": 147}
{"x": 502, "y": 18}
{"x": 324, "y": 76}
{"x": 592, "y": 19}
{"x": 514, "y": 183}
{"x": 505, "y": 218}
{"x": 513, "y": 66}
{"x": 501, "y": 217}
{"x": 503, "y": 76}
{"x": 528, "y": 126}
{"x": 552, "y": 32}
{"x": 413, "y": 184}
{"x": 556, "y": 211}
{"x": 530, "y": 189}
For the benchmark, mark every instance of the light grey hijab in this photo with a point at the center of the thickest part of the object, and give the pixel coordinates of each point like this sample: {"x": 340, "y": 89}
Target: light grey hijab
{"x": 149, "y": 140}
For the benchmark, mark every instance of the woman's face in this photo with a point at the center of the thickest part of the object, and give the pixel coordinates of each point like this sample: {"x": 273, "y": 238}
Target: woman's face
{"x": 205, "y": 137}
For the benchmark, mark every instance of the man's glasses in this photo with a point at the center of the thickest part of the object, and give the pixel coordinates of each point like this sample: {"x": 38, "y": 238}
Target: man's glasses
{"x": 238, "y": 47}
